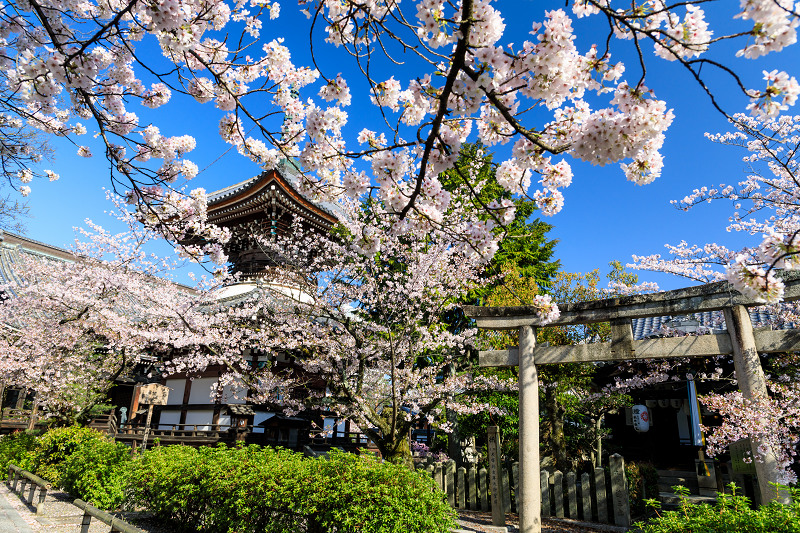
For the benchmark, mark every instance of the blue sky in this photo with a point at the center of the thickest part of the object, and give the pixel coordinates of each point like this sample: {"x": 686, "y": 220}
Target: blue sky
{"x": 605, "y": 217}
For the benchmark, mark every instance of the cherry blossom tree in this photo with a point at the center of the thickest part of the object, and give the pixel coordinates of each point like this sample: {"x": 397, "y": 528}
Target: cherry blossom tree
{"x": 364, "y": 314}
{"x": 70, "y": 328}
{"x": 75, "y": 62}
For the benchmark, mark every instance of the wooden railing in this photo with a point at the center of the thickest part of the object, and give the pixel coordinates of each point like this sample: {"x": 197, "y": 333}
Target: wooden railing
{"x": 89, "y": 512}
{"x": 16, "y": 475}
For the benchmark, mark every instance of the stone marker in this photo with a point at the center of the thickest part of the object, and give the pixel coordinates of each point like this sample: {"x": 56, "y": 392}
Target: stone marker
{"x": 498, "y": 514}
{"x": 619, "y": 491}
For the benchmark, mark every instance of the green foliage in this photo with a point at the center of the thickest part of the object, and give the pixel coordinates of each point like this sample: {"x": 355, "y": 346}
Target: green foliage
{"x": 95, "y": 472}
{"x": 257, "y": 489}
{"x": 642, "y": 481}
{"x": 731, "y": 514}
{"x": 15, "y": 447}
{"x": 53, "y": 448}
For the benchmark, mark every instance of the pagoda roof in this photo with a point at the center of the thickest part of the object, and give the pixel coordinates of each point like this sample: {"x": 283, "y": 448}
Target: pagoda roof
{"x": 254, "y": 194}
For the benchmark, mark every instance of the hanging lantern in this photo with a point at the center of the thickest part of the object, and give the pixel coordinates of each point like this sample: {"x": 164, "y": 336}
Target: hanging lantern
{"x": 641, "y": 418}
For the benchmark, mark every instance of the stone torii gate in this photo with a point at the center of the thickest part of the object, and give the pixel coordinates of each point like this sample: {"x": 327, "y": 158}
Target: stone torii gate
{"x": 740, "y": 341}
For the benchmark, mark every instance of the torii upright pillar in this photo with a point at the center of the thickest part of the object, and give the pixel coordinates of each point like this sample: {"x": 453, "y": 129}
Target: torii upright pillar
{"x": 530, "y": 499}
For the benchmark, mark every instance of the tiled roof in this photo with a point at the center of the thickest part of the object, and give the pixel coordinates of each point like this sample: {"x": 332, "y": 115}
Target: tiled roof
{"x": 644, "y": 328}
{"x": 11, "y": 248}
{"x": 288, "y": 172}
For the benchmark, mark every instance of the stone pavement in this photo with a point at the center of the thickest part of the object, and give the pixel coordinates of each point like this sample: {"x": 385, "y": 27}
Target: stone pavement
{"x": 11, "y": 520}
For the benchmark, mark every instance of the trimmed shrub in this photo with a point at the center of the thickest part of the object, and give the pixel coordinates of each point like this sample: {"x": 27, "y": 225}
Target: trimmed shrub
{"x": 254, "y": 489}
{"x": 95, "y": 472}
{"x": 15, "y": 447}
{"x": 731, "y": 514}
{"x": 53, "y": 448}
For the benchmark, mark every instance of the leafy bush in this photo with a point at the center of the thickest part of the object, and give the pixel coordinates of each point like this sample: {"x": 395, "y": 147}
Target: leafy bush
{"x": 95, "y": 472}
{"x": 642, "y": 482}
{"x": 53, "y": 448}
{"x": 263, "y": 490}
{"x": 731, "y": 514}
{"x": 15, "y": 447}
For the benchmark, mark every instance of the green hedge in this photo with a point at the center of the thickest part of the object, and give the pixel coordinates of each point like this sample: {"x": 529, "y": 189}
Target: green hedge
{"x": 255, "y": 489}
{"x": 96, "y": 472}
{"x": 52, "y": 449}
{"x": 15, "y": 447}
{"x": 731, "y": 514}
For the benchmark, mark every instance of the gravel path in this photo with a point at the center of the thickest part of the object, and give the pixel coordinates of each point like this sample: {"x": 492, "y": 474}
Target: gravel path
{"x": 59, "y": 515}
{"x": 477, "y": 521}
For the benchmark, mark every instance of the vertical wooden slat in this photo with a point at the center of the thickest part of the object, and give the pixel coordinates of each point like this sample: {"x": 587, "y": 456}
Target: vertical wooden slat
{"x": 545, "y": 488}
{"x": 462, "y": 488}
{"x": 558, "y": 493}
{"x": 484, "y": 489}
{"x": 586, "y": 497}
{"x": 600, "y": 495}
{"x": 572, "y": 495}
{"x": 472, "y": 489}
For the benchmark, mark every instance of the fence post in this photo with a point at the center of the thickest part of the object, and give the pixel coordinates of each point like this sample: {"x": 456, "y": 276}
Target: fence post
{"x": 472, "y": 489}
{"x": 544, "y": 477}
{"x": 86, "y": 522}
{"x": 462, "y": 488}
{"x": 558, "y": 493}
{"x": 572, "y": 496}
{"x": 42, "y": 496}
{"x": 586, "y": 496}
{"x": 515, "y": 484}
{"x": 483, "y": 486}
{"x": 600, "y": 494}
{"x": 450, "y": 474}
{"x": 506, "y": 492}
{"x": 619, "y": 491}
{"x": 438, "y": 477}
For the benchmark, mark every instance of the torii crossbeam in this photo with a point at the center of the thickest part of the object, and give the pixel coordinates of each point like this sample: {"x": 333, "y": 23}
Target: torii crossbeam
{"x": 740, "y": 341}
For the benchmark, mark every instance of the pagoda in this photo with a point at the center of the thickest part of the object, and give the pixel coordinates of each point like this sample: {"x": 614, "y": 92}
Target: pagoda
{"x": 265, "y": 205}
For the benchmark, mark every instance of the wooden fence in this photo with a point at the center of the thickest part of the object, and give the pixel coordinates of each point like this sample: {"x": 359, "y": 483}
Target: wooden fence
{"x": 590, "y": 497}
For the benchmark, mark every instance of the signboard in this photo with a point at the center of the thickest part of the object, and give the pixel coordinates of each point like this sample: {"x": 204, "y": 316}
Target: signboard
{"x": 741, "y": 457}
{"x": 153, "y": 394}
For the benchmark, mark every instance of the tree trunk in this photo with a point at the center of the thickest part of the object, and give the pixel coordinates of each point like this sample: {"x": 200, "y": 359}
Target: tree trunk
{"x": 398, "y": 451}
{"x": 558, "y": 442}
{"x": 598, "y": 425}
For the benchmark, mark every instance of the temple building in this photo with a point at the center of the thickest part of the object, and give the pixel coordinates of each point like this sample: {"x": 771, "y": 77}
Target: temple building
{"x": 265, "y": 205}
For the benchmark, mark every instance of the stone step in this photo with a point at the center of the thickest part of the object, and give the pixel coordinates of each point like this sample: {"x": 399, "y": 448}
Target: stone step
{"x": 670, "y": 500}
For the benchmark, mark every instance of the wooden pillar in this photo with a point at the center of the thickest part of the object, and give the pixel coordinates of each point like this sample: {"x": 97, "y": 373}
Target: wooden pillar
{"x": 753, "y": 385}
{"x": 34, "y": 414}
{"x": 530, "y": 501}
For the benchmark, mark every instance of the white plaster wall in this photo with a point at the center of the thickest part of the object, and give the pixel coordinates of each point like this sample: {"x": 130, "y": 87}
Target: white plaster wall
{"x": 176, "y": 389}
{"x": 229, "y": 393}
{"x": 201, "y": 418}
{"x": 168, "y": 418}
{"x": 201, "y": 390}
